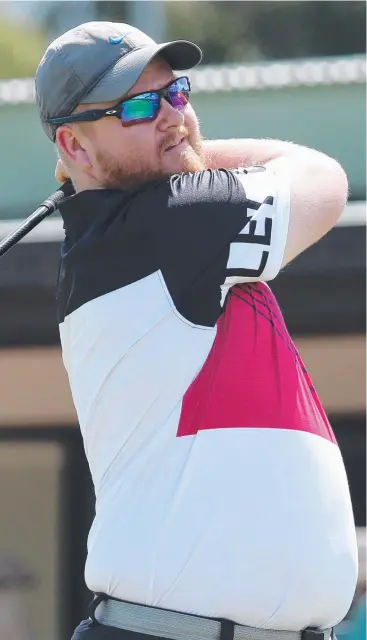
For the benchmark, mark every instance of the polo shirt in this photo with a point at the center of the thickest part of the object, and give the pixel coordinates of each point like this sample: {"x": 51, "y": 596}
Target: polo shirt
{"x": 220, "y": 488}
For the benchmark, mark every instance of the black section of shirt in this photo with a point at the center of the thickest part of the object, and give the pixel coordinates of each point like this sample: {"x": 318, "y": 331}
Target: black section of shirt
{"x": 182, "y": 226}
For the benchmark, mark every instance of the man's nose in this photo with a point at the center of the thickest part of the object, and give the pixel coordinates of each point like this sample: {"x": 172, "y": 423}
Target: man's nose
{"x": 169, "y": 116}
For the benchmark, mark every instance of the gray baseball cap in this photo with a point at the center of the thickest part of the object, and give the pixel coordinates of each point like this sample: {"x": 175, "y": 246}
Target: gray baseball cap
{"x": 99, "y": 62}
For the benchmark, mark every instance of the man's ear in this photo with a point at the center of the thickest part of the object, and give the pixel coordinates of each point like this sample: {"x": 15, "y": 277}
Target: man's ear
{"x": 71, "y": 147}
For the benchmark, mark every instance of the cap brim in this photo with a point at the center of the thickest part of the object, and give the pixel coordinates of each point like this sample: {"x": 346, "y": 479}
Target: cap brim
{"x": 121, "y": 78}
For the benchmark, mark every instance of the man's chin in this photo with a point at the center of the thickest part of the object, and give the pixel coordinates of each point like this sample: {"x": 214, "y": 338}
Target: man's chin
{"x": 186, "y": 162}
{"x": 193, "y": 160}
{"x": 191, "y": 165}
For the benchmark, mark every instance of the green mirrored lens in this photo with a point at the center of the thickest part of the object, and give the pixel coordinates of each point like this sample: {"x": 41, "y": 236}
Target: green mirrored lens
{"x": 142, "y": 108}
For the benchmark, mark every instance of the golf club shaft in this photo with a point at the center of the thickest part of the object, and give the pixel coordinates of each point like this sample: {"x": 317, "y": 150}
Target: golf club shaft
{"x": 45, "y": 209}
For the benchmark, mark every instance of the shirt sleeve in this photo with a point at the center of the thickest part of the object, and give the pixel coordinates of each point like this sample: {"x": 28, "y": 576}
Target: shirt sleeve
{"x": 218, "y": 228}
{"x": 200, "y": 233}
{"x": 256, "y": 252}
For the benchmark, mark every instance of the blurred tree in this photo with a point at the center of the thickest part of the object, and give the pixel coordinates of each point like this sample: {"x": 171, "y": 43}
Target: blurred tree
{"x": 21, "y": 49}
{"x": 222, "y": 29}
{"x": 303, "y": 29}
{"x": 112, "y": 10}
{"x": 58, "y": 16}
{"x": 227, "y": 31}
{"x": 244, "y": 31}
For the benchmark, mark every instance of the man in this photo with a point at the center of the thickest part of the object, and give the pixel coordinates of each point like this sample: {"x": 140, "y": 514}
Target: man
{"x": 222, "y": 504}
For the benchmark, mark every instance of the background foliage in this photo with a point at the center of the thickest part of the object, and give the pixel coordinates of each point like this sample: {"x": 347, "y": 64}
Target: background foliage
{"x": 227, "y": 31}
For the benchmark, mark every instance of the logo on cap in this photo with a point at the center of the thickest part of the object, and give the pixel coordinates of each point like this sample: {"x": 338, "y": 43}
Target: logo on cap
{"x": 116, "y": 39}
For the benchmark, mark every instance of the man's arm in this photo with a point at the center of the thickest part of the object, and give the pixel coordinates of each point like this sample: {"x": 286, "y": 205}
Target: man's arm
{"x": 234, "y": 153}
{"x": 318, "y": 184}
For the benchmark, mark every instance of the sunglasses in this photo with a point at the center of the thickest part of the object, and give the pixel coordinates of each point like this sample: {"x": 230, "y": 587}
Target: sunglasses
{"x": 143, "y": 107}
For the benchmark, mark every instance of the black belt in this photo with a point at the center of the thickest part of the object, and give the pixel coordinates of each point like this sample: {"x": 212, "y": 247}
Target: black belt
{"x": 175, "y": 625}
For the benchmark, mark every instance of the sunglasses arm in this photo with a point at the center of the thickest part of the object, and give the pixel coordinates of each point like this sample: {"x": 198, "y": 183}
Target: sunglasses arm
{"x": 86, "y": 116}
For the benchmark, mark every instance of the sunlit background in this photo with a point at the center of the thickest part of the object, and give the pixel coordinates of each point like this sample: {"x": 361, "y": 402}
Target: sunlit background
{"x": 289, "y": 70}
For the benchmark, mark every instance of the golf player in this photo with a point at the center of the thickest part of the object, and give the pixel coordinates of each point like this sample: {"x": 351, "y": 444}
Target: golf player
{"x": 222, "y": 504}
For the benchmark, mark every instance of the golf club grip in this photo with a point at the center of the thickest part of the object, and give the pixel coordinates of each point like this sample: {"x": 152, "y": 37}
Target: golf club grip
{"x": 47, "y": 208}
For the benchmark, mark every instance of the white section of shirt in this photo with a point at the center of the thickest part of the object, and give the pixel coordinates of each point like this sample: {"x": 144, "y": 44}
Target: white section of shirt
{"x": 254, "y": 525}
{"x": 258, "y": 187}
{"x": 231, "y": 523}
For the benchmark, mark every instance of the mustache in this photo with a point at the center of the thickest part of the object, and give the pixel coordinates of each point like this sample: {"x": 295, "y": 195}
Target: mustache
{"x": 171, "y": 139}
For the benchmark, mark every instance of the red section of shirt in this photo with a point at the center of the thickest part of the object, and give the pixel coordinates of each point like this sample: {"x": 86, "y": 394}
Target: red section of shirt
{"x": 253, "y": 376}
